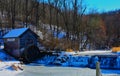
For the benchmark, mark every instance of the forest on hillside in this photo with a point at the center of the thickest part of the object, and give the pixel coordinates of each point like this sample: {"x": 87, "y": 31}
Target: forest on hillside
{"x": 83, "y": 31}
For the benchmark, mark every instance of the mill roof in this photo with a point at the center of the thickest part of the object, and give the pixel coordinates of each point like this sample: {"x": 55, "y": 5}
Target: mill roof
{"x": 15, "y": 33}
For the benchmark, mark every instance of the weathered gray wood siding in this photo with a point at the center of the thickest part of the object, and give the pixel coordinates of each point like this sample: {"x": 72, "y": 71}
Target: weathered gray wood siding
{"x": 16, "y": 46}
{"x": 12, "y": 46}
{"x": 28, "y": 39}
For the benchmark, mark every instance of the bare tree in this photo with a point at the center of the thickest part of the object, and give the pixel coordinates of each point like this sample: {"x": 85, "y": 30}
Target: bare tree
{"x": 13, "y": 13}
{"x": 26, "y": 13}
{"x": 36, "y": 13}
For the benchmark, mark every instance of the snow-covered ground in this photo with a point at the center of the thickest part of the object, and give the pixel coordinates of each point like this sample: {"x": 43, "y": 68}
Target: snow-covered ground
{"x": 6, "y": 68}
{"x": 86, "y": 59}
{"x": 96, "y": 52}
{"x": 8, "y": 65}
{"x": 7, "y": 62}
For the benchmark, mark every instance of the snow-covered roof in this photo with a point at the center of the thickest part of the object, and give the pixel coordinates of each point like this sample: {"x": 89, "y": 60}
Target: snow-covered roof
{"x": 15, "y": 33}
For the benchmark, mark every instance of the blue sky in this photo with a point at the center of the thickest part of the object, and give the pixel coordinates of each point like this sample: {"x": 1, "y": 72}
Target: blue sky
{"x": 103, "y": 5}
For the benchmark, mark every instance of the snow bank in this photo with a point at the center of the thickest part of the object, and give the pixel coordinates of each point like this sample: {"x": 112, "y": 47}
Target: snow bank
{"x": 9, "y": 73}
{"x": 6, "y": 65}
{"x": 6, "y": 68}
{"x": 5, "y": 57}
{"x": 46, "y": 60}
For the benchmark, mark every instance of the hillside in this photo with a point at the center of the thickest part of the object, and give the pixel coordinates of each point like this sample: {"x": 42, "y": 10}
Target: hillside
{"x": 81, "y": 31}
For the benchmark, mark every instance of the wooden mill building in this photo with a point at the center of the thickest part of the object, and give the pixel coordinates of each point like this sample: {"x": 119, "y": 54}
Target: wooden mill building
{"x": 17, "y": 40}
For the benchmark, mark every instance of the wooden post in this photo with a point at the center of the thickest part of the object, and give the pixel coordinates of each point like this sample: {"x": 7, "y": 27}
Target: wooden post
{"x": 98, "y": 69}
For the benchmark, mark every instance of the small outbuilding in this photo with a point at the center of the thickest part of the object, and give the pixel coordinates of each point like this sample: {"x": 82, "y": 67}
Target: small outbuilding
{"x": 17, "y": 40}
